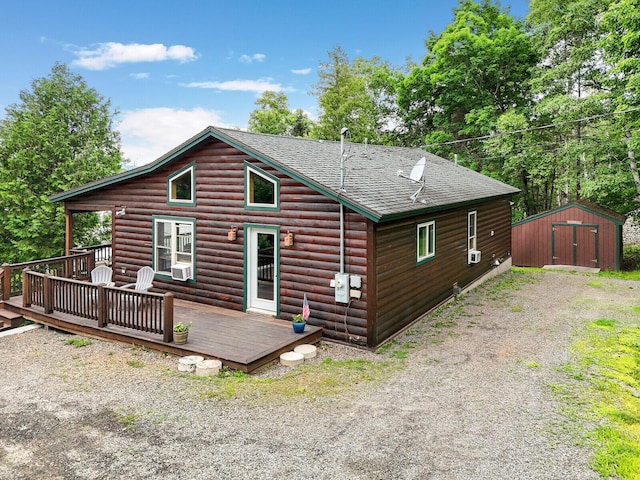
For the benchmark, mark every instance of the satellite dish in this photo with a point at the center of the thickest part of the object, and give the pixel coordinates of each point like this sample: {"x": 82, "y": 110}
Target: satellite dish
{"x": 417, "y": 176}
{"x": 418, "y": 170}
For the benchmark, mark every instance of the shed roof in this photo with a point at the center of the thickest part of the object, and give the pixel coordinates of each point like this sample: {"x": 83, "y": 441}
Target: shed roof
{"x": 372, "y": 185}
{"x": 584, "y": 205}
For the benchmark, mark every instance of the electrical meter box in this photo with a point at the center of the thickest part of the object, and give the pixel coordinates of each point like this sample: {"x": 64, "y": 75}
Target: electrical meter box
{"x": 341, "y": 285}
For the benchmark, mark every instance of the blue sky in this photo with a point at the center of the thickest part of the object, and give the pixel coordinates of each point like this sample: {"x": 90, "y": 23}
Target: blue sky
{"x": 173, "y": 68}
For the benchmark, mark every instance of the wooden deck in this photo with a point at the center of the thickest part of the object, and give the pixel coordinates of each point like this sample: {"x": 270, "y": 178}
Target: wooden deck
{"x": 242, "y": 341}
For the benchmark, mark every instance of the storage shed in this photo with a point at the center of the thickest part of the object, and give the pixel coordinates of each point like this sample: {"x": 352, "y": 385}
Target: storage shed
{"x": 580, "y": 234}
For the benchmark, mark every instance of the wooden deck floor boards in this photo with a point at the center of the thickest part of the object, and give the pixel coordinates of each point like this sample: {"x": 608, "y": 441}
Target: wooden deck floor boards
{"x": 243, "y": 341}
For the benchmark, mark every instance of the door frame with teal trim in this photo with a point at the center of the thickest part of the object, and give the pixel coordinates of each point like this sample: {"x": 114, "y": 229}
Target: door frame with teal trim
{"x": 262, "y": 279}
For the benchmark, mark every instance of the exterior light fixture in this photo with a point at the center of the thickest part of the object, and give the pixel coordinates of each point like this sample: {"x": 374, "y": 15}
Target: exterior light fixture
{"x": 232, "y": 234}
{"x": 288, "y": 239}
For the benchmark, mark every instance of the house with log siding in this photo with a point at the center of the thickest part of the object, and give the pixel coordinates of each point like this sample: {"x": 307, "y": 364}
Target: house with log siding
{"x": 375, "y": 236}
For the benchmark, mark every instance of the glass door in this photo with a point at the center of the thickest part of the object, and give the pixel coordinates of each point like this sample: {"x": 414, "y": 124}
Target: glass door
{"x": 262, "y": 269}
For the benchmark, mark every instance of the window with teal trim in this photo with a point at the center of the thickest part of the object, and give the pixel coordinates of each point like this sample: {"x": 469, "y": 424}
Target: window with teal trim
{"x": 181, "y": 187}
{"x": 261, "y": 189}
{"x": 426, "y": 247}
{"x": 173, "y": 244}
{"x": 472, "y": 237}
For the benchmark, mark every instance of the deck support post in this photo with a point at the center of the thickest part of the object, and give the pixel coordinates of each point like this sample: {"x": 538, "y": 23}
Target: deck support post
{"x": 5, "y": 294}
{"x": 26, "y": 288}
{"x": 167, "y": 306}
{"x": 102, "y": 306}
{"x": 47, "y": 294}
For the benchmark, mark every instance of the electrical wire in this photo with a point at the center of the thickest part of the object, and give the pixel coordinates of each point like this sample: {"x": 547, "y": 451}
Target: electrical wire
{"x": 530, "y": 129}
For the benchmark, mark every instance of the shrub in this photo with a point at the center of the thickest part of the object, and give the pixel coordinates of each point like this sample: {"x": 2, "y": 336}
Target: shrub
{"x": 631, "y": 258}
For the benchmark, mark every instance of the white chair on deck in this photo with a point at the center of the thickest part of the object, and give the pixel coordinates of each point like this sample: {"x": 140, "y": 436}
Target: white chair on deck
{"x": 144, "y": 280}
{"x": 102, "y": 275}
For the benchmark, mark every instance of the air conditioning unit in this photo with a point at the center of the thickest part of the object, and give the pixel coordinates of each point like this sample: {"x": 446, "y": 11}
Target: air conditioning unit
{"x": 181, "y": 272}
{"x": 474, "y": 256}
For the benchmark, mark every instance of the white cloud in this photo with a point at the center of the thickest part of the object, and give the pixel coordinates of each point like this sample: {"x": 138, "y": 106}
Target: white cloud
{"x": 257, "y": 86}
{"x": 257, "y": 57}
{"x": 149, "y": 133}
{"x": 111, "y": 54}
{"x": 302, "y": 71}
{"x": 140, "y": 76}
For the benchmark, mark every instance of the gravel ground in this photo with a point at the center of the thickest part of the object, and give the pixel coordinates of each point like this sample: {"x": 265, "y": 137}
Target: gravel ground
{"x": 472, "y": 401}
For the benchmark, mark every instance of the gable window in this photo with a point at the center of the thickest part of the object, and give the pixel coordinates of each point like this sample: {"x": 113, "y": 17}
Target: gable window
{"x": 426, "y": 247}
{"x": 261, "y": 189}
{"x": 173, "y": 242}
{"x": 472, "y": 236}
{"x": 180, "y": 187}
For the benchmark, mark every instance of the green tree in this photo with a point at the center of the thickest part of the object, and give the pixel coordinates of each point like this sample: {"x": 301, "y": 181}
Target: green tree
{"x": 621, "y": 44}
{"x": 359, "y": 96}
{"x": 523, "y": 164}
{"x": 59, "y": 136}
{"x": 274, "y": 116}
{"x": 583, "y": 85}
{"x": 569, "y": 83}
{"x": 301, "y": 124}
{"x": 475, "y": 70}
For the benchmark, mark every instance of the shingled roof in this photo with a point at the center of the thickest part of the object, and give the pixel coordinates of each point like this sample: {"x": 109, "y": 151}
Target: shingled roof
{"x": 372, "y": 185}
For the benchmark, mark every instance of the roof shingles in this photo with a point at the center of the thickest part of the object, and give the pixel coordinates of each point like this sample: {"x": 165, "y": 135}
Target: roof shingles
{"x": 371, "y": 182}
{"x": 371, "y": 173}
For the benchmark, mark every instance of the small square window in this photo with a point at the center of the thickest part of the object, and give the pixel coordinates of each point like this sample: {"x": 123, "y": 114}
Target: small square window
{"x": 426, "y": 241}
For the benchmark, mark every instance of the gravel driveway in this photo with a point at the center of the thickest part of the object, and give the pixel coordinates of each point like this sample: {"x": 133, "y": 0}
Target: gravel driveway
{"x": 471, "y": 400}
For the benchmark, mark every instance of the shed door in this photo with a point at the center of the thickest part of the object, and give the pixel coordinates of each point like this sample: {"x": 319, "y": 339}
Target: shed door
{"x": 575, "y": 244}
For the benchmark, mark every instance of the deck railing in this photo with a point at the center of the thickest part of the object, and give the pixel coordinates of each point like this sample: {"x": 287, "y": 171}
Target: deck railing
{"x": 143, "y": 311}
{"x": 101, "y": 253}
{"x": 72, "y": 266}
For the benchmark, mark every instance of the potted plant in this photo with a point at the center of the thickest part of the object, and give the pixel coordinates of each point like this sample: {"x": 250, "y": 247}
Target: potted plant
{"x": 298, "y": 323}
{"x": 181, "y": 332}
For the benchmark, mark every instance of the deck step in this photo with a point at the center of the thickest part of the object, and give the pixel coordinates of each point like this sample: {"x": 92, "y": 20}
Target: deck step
{"x": 9, "y": 318}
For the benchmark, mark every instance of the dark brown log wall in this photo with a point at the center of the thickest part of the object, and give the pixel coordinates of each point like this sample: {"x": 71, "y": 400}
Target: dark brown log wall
{"x": 532, "y": 246}
{"x": 406, "y": 290}
{"x": 307, "y": 266}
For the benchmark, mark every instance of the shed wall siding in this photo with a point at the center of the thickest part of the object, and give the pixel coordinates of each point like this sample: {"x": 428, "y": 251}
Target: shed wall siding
{"x": 532, "y": 240}
{"x": 306, "y": 267}
{"x": 407, "y": 290}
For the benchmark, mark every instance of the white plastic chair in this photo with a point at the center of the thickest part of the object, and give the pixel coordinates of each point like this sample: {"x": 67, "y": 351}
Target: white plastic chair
{"x": 144, "y": 280}
{"x": 102, "y": 275}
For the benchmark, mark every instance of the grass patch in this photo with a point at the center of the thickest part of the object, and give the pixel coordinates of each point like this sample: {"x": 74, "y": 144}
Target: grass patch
{"x": 142, "y": 348}
{"x": 135, "y": 363}
{"x": 604, "y": 323}
{"x": 633, "y": 275}
{"x": 514, "y": 279}
{"x": 516, "y": 309}
{"x": 595, "y": 284}
{"x": 128, "y": 419}
{"x": 444, "y": 323}
{"x": 310, "y": 382}
{"x": 607, "y": 394}
{"x": 387, "y": 347}
{"x": 78, "y": 342}
{"x": 532, "y": 364}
